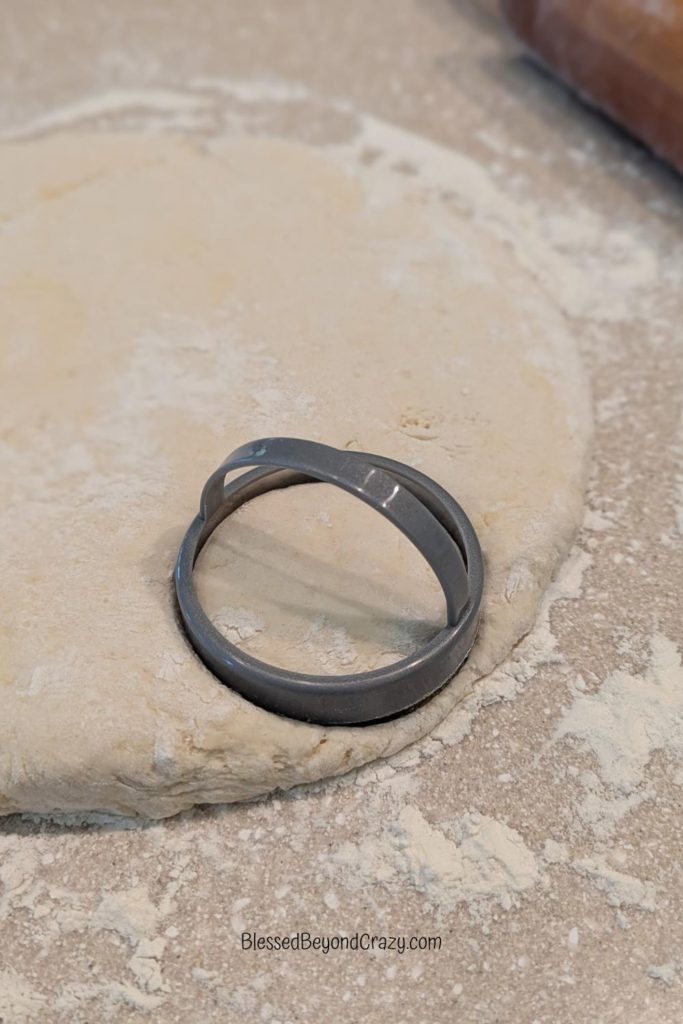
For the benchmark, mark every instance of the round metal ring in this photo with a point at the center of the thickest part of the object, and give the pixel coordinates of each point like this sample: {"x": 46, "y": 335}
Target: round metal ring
{"x": 416, "y": 505}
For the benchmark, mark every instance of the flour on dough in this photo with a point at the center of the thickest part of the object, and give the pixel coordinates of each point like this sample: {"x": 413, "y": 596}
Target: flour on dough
{"x": 162, "y": 304}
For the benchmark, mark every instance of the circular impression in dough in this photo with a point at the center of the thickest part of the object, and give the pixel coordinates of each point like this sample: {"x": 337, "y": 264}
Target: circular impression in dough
{"x": 161, "y": 304}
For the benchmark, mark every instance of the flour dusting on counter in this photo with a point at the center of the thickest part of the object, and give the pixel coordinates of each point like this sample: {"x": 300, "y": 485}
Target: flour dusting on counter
{"x": 630, "y": 717}
{"x": 472, "y": 859}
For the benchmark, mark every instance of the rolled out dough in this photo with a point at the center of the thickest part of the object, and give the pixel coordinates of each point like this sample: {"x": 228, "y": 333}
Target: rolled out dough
{"x": 159, "y": 305}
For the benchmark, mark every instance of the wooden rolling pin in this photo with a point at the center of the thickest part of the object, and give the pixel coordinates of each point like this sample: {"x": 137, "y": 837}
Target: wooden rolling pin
{"x": 624, "y": 56}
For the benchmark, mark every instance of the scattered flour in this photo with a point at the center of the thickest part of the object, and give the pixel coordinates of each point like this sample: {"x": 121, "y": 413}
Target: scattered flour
{"x": 238, "y": 624}
{"x": 623, "y": 723}
{"x": 621, "y": 889}
{"x": 554, "y": 852}
{"x": 128, "y": 912}
{"x": 472, "y": 859}
{"x": 593, "y": 269}
{"x": 539, "y": 647}
{"x": 667, "y": 972}
{"x": 630, "y": 717}
{"x": 600, "y": 811}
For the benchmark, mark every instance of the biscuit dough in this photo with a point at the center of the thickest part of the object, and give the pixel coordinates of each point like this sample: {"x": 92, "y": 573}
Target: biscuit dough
{"x": 161, "y": 303}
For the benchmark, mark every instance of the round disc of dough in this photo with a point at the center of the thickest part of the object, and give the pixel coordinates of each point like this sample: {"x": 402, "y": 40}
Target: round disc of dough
{"x": 161, "y": 305}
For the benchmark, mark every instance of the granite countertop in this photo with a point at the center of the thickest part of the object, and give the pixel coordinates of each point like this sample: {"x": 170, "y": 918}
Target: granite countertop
{"x": 556, "y": 892}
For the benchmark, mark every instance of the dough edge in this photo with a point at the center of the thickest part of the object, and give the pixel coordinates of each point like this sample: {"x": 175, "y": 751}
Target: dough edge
{"x": 204, "y": 760}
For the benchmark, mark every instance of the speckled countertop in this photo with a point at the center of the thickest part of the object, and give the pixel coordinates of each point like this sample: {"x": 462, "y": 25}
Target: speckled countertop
{"x": 571, "y": 757}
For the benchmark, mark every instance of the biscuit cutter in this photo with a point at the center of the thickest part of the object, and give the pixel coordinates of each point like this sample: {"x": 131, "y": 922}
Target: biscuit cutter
{"x": 416, "y": 505}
